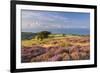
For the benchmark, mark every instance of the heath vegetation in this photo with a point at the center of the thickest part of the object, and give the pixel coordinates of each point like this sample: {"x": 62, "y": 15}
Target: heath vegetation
{"x": 46, "y": 46}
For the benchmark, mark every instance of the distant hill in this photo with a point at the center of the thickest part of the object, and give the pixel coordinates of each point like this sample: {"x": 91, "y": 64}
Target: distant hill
{"x": 27, "y": 35}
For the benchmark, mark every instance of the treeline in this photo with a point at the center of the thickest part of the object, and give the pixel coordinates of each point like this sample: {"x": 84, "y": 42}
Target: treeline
{"x": 39, "y": 35}
{"x": 27, "y": 35}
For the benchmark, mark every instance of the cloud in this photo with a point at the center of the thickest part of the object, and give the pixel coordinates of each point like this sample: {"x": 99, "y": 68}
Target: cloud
{"x": 40, "y": 19}
{"x": 44, "y": 20}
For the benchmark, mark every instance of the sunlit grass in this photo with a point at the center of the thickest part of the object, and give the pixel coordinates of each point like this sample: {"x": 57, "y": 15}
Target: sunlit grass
{"x": 56, "y": 40}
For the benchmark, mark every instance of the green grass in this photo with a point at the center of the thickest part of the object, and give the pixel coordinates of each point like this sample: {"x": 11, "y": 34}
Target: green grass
{"x": 53, "y": 40}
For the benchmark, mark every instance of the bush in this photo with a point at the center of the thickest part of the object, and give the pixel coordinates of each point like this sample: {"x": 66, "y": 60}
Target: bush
{"x": 75, "y": 56}
{"x": 65, "y": 56}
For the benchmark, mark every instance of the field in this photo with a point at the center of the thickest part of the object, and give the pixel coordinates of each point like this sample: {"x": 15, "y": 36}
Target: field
{"x": 57, "y": 47}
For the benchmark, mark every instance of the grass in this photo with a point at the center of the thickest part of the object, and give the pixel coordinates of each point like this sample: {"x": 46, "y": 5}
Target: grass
{"x": 55, "y": 40}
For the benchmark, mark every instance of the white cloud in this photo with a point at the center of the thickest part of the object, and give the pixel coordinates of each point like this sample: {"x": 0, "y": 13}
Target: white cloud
{"x": 46, "y": 20}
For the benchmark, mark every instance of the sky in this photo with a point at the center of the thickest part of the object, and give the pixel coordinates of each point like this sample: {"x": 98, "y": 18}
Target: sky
{"x": 35, "y": 21}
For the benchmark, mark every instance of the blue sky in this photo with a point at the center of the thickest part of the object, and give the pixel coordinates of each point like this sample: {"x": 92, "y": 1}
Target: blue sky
{"x": 35, "y": 21}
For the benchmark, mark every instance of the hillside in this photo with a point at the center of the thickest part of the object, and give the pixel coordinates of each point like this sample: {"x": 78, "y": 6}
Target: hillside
{"x": 56, "y": 48}
{"x": 27, "y": 35}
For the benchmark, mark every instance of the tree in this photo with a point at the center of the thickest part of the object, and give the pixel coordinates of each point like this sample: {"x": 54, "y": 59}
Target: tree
{"x": 63, "y": 35}
{"x": 43, "y": 34}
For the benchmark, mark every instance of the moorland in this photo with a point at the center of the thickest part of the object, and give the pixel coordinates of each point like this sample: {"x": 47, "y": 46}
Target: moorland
{"x": 46, "y": 46}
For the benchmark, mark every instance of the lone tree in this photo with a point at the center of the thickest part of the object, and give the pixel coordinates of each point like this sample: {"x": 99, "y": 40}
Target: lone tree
{"x": 43, "y": 34}
{"x": 63, "y": 35}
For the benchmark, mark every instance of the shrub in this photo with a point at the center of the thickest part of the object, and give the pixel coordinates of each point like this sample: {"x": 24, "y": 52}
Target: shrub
{"x": 56, "y": 58}
{"x": 65, "y": 56}
{"x": 75, "y": 56}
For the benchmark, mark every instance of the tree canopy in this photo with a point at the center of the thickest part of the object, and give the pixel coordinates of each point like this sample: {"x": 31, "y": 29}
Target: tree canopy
{"x": 43, "y": 34}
